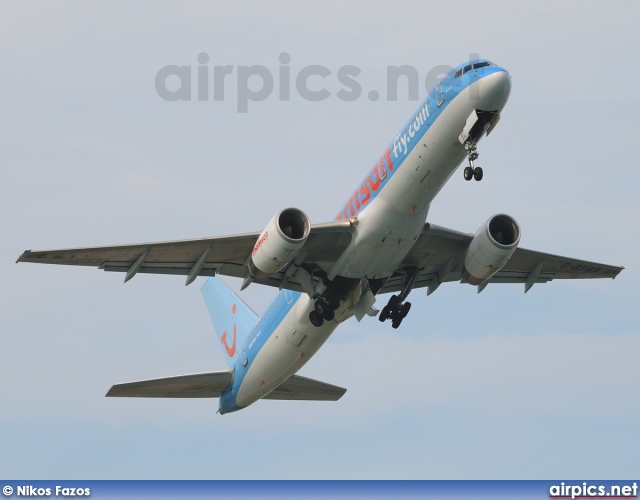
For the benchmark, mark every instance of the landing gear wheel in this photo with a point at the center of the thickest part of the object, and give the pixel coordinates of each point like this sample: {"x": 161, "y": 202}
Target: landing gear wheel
{"x": 395, "y": 310}
{"x": 315, "y": 318}
{"x": 468, "y": 173}
{"x": 321, "y": 307}
{"x": 329, "y": 315}
{"x": 333, "y": 303}
{"x": 477, "y": 174}
{"x": 404, "y": 310}
{"x": 384, "y": 314}
{"x": 393, "y": 302}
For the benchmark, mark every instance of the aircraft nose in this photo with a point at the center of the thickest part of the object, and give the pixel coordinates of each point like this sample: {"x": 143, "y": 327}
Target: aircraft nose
{"x": 498, "y": 83}
{"x": 494, "y": 90}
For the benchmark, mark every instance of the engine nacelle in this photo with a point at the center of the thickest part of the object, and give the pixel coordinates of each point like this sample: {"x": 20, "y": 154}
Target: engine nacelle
{"x": 279, "y": 243}
{"x": 491, "y": 248}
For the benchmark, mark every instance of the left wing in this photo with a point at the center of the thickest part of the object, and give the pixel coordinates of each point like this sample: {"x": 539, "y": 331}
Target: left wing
{"x": 438, "y": 257}
{"x": 227, "y": 255}
{"x": 199, "y": 385}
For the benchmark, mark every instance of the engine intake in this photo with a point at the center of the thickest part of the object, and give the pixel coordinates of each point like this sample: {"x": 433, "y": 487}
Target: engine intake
{"x": 279, "y": 243}
{"x": 491, "y": 248}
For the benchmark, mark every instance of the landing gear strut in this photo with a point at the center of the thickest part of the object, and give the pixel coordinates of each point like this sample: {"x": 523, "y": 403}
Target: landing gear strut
{"x": 472, "y": 172}
{"x": 397, "y": 309}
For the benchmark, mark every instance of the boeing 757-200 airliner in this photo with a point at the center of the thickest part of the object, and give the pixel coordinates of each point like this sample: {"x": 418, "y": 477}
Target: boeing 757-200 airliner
{"x": 378, "y": 243}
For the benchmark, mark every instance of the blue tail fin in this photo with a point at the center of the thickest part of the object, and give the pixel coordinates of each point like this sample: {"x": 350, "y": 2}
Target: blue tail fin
{"x": 232, "y": 318}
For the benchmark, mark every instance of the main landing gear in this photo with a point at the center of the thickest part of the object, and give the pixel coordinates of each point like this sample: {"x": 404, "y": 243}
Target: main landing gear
{"x": 395, "y": 310}
{"x": 323, "y": 310}
{"x": 472, "y": 172}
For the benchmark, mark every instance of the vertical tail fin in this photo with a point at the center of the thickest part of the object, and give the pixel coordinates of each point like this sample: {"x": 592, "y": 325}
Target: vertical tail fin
{"x": 232, "y": 318}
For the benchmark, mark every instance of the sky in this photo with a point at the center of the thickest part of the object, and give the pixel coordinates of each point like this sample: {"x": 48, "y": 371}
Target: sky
{"x": 497, "y": 385}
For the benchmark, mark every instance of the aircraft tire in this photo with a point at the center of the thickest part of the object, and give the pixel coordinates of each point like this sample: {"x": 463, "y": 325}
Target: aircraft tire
{"x": 384, "y": 314}
{"x": 405, "y": 309}
{"x": 329, "y": 315}
{"x": 393, "y": 302}
{"x": 477, "y": 174}
{"x": 315, "y": 318}
{"x": 333, "y": 303}
{"x": 468, "y": 173}
{"x": 321, "y": 307}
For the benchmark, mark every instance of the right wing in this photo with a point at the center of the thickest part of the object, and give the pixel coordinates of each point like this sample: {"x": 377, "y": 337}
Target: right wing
{"x": 227, "y": 255}
{"x": 439, "y": 254}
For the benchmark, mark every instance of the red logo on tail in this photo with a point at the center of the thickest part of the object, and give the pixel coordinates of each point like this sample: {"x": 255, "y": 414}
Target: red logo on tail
{"x": 230, "y": 350}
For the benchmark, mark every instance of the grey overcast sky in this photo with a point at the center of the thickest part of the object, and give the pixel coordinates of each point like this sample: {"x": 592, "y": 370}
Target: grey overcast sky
{"x": 496, "y": 385}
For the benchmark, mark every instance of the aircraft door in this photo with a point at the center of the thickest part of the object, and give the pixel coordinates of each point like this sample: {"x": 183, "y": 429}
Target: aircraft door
{"x": 243, "y": 357}
{"x": 439, "y": 95}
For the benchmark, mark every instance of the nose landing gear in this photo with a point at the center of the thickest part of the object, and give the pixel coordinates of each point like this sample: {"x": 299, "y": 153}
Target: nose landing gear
{"x": 472, "y": 172}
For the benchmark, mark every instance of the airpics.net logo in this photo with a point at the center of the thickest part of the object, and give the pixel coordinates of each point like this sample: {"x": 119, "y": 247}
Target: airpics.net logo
{"x": 588, "y": 490}
{"x": 208, "y": 81}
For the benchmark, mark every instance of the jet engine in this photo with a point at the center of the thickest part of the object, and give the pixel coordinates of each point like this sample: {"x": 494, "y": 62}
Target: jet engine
{"x": 279, "y": 243}
{"x": 491, "y": 248}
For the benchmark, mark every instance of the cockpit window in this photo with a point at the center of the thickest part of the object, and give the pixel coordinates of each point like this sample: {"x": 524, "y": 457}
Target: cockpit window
{"x": 469, "y": 67}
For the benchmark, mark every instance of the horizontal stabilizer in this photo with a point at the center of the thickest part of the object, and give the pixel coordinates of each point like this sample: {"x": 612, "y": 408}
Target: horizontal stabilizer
{"x": 199, "y": 385}
{"x": 299, "y": 388}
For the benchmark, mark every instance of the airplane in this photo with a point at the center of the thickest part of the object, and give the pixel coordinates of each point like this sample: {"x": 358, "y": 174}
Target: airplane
{"x": 380, "y": 242}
